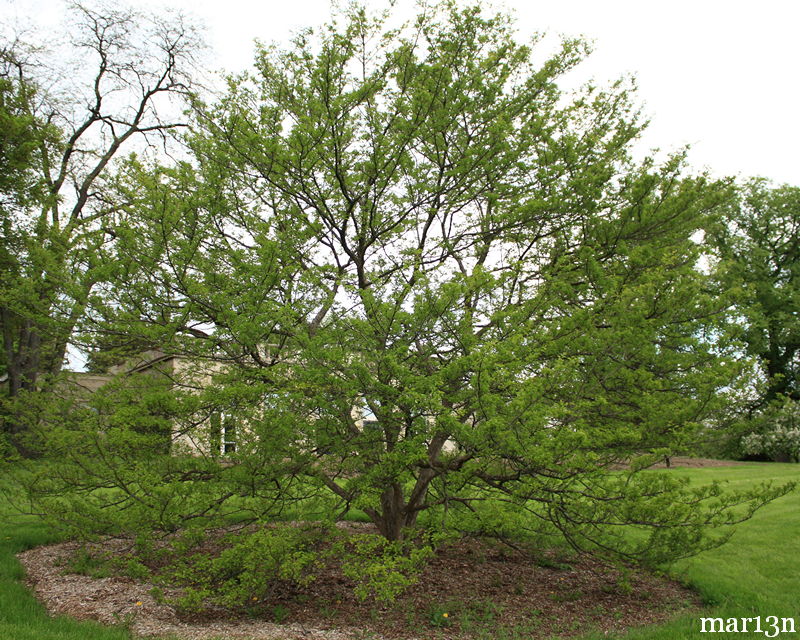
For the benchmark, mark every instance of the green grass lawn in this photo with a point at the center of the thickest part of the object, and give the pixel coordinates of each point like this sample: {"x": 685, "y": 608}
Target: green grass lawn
{"x": 21, "y": 616}
{"x": 756, "y": 574}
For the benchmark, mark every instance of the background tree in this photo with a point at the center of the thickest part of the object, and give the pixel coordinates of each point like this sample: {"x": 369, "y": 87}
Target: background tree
{"x": 757, "y": 245}
{"x": 21, "y": 183}
{"x": 105, "y": 350}
{"x": 422, "y": 226}
{"x": 56, "y": 216}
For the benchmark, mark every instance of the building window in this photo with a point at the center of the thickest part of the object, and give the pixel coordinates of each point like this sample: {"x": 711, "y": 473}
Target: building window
{"x": 215, "y": 438}
{"x": 228, "y": 435}
{"x": 223, "y": 433}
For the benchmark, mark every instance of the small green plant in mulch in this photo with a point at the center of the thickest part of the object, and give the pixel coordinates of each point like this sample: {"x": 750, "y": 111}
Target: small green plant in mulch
{"x": 439, "y": 616}
{"x": 468, "y": 616}
{"x": 240, "y": 569}
{"x": 84, "y": 563}
{"x": 133, "y": 568}
{"x": 245, "y": 567}
{"x": 572, "y": 595}
{"x": 382, "y": 569}
{"x": 623, "y": 583}
{"x": 280, "y": 613}
{"x": 125, "y": 621}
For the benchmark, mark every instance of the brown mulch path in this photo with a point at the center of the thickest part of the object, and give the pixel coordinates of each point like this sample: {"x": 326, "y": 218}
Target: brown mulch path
{"x": 122, "y": 600}
{"x": 697, "y": 463}
{"x": 481, "y": 587}
{"x": 685, "y": 461}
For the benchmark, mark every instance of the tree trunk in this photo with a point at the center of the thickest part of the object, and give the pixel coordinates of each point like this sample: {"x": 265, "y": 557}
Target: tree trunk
{"x": 23, "y": 369}
{"x": 394, "y": 515}
{"x": 391, "y": 520}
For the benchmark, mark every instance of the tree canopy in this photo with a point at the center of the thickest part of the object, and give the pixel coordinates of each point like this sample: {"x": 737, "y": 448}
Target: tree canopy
{"x": 757, "y": 245}
{"x": 63, "y": 128}
{"x": 754, "y": 259}
{"x": 423, "y": 282}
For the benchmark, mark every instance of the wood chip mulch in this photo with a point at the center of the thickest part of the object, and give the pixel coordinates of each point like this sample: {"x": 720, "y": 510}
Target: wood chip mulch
{"x": 122, "y": 600}
{"x": 470, "y": 588}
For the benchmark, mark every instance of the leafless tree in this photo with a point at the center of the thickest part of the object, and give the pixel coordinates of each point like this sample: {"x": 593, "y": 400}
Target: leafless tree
{"x": 116, "y": 85}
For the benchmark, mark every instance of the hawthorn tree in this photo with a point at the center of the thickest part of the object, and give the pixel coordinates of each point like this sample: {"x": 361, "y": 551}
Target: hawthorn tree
{"x": 429, "y": 284}
{"x": 64, "y": 126}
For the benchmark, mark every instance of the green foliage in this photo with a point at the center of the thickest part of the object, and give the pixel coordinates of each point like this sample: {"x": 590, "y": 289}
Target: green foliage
{"x": 420, "y": 279}
{"x": 757, "y": 254}
{"x": 22, "y": 134}
{"x": 382, "y": 569}
{"x": 775, "y": 432}
{"x": 469, "y": 615}
{"x": 752, "y": 575}
{"x": 279, "y": 613}
{"x": 439, "y": 615}
{"x": 84, "y": 563}
{"x": 61, "y": 130}
{"x": 22, "y": 617}
{"x": 125, "y": 428}
{"x": 755, "y": 257}
{"x": 249, "y": 566}
{"x": 133, "y": 568}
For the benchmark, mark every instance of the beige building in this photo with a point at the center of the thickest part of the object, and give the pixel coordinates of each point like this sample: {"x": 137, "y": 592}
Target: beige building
{"x": 216, "y": 433}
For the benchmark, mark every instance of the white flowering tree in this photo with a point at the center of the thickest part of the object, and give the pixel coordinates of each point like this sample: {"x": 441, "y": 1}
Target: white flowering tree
{"x": 779, "y": 435}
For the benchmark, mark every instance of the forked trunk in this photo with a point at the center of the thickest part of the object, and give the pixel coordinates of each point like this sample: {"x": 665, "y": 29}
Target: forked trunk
{"x": 395, "y": 515}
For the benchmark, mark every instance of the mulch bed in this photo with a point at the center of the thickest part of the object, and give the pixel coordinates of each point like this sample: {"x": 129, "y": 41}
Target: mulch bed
{"x": 697, "y": 463}
{"x": 482, "y": 586}
{"x": 471, "y": 588}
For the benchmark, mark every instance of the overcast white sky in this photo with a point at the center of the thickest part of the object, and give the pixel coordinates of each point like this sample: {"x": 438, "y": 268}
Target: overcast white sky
{"x": 720, "y": 75}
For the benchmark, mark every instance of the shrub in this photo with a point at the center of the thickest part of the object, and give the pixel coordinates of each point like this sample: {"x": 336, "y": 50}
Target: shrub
{"x": 250, "y": 566}
{"x": 779, "y": 435}
{"x": 383, "y": 569}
